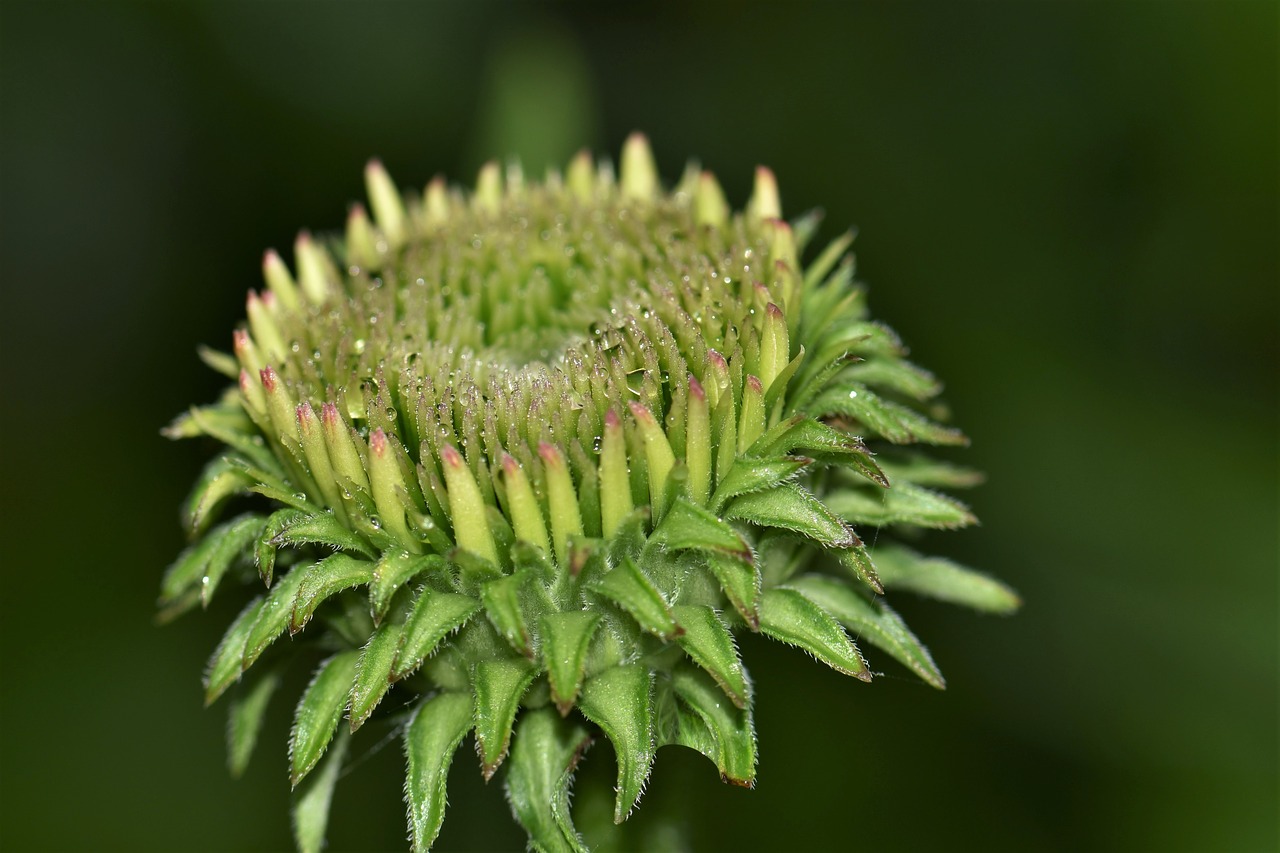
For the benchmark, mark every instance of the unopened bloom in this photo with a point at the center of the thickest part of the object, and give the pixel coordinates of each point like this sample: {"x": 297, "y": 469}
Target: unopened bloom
{"x": 527, "y": 457}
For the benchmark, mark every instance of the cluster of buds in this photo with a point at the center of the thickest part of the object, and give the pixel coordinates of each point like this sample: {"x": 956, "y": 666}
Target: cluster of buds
{"x": 528, "y": 457}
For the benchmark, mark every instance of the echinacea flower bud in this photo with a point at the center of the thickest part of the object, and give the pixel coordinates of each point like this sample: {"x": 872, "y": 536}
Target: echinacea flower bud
{"x": 529, "y": 459}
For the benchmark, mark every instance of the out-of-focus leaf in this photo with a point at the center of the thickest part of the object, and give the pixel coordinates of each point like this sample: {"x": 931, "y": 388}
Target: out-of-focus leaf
{"x": 924, "y": 471}
{"x": 219, "y": 361}
{"x": 895, "y": 374}
{"x": 873, "y": 621}
{"x": 619, "y": 700}
{"x": 319, "y": 710}
{"x": 545, "y": 753}
{"x": 903, "y": 504}
{"x": 327, "y": 577}
{"x": 192, "y": 565}
{"x": 435, "y": 614}
{"x": 311, "y": 801}
{"x": 902, "y": 568}
{"x": 220, "y": 480}
{"x": 709, "y": 643}
{"x": 498, "y": 686}
{"x": 245, "y": 721}
{"x": 430, "y": 743}
{"x": 565, "y": 640}
{"x": 787, "y": 615}
{"x": 628, "y": 587}
{"x": 789, "y": 507}
{"x": 228, "y": 660}
{"x": 234, "y": 540}
{"x": 373, "y": 672}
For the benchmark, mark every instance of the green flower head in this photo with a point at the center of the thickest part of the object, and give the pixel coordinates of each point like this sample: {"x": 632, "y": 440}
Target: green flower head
{"x": 529, "y": 456}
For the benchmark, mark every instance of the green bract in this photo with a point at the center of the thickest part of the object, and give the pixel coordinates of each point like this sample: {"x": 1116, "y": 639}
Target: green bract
{"x": 528, "y": 457}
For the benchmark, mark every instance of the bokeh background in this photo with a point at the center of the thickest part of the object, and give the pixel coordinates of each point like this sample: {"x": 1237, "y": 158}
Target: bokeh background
{"x": 1069, "y": 209}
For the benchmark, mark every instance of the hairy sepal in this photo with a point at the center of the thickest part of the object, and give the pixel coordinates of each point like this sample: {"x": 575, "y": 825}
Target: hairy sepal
{"x": 318, "y": 713}
{"x": 789, "y": 616}
{"x": 936, "y": 577}
{"x": 872, "y": 621}
{"x": 540, "y": 777}
{"x": 430, "y": 742}
{"x": 620, "y": 701}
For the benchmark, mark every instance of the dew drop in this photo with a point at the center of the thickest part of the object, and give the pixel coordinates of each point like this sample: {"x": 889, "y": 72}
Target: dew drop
{"x": 853, "y": 394}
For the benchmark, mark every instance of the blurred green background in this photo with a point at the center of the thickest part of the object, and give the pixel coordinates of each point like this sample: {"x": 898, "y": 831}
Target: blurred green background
{"x": 1068, "y": 209}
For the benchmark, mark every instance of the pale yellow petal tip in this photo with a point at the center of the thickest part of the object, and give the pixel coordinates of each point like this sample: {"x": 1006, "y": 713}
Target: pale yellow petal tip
{"x": 765, "y": 202}
{"x": 639, "y": 171}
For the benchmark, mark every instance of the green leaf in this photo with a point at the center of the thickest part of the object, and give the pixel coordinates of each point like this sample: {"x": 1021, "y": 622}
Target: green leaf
{"x": 473, "y": 571}
{"x": 322, "y": 529}
{"x": 498, "y": 686}
{"x": 270, "y": 485}
{"x": 566, "y": 637}
{"x": 686, "y": 728}
{"x": 227, "y": 662}
{"x": 825, "y": 443}
{"x": 752, "y": 475}
{"x": 435, "y": 615}
{"x": 924, "y": 471}
{"x": 874, "y": 622}
{"x": 789, "y": 507}
{"x": 328, "y": 577}
{"x": 686, "y": 526}
{"x": 245, "y": 721}
{"x": 430, "y": 743}
{"x": 902, "y": 504}
{"x": 628, "y": 587}
{"x": 373, "y": 672}
{"x": 229, "y": 425}
{"x": 730, "y": 728}
{"x": 894, "y": 374}
{"x": 274, "y": 614}
{"x": 620, "y": 701}
{"x": 318, "y": 713}
{"x": 902, "y": 568}
{"x": 220, "y": 480}
{"x": 219, "y": 361}
{"x": 709, "y": 643}
{"x": 891, "y": 421}
{"x": 630, "y": 538}
{"x": 264, "y": 553}
{"x": 502, "y": 604}
{"x": 539, "y": 776}
{"x": 858, "y": 563}
{"x": 394, "y": 570}
{"x": 192, "y": 564}
{"x": 311, "y": 801}
{"x": 741, "y": 585}
{"x": 786, "y": 615}
{"x": 235, "y": 539}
